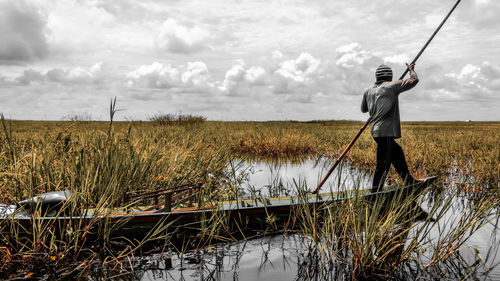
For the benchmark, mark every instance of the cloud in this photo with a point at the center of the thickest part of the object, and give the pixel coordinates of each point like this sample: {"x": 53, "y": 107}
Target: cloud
{"x": 483, "y": 14}
{"x": 76, "y": 75}
{"x": 241, "y": 78}
{"x": 480, "y": 82}
{"x": 234, "y": 78}
{"x": 177, "y": 38}
{"x": 183, "y": 78}
{"x": 353, "y": 70}
{"x": 301, "y": 69}
{"x": 296, "y": 73}
{"x": 397, "y": 59}
{"x": 155, "y": 75}
{"x": 255, "y": 75}
{"x": 196, "y": 74}
{"x": 351, "y": 54}
{"x": 23, "y": 32}
{"x": 188, "y": 37}
{"x": 277, "y": 74}
{"x": 127, "y": 10}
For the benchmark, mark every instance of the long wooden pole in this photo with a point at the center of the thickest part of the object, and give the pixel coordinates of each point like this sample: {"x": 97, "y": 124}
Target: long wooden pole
{"x": 369, "y": 119}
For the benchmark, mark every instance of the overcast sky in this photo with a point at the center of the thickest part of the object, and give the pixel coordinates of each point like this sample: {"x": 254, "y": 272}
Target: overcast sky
{"x": 244, "y": 60}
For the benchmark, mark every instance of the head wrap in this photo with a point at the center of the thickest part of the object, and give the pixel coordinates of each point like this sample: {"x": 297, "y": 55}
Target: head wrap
{"x": 383, "y": 73}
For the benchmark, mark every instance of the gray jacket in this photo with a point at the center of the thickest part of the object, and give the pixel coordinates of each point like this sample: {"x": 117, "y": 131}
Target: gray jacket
{"x": 381, "y": 101}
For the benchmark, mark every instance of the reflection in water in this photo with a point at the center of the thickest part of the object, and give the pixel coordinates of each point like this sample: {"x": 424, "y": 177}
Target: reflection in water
{"x": 283, "y": 178}
{"x": 295, "y": 257}
{"x": 288, "y": 258}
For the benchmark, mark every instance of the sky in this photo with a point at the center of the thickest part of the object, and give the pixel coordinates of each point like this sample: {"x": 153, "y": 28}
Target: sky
{"x": 244, "y": 60}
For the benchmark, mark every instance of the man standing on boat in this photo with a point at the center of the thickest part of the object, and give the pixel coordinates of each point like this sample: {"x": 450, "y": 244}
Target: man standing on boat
{"x": 381, "y": 101}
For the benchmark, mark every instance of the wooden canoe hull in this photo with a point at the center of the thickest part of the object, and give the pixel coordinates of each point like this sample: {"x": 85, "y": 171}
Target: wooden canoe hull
{"x": 248, "y": 212}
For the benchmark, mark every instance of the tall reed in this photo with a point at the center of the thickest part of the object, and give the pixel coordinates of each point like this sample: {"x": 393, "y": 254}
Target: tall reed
{"x": 390, "y": 238}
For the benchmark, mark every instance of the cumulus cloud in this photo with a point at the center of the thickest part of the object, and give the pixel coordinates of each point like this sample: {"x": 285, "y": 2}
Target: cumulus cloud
{"x": 76, "y": 75}
{"x": 397, "y": 59}
{"x": 233, "y": 78}
{"x": 23, "y": 32}
{"x": 353, "y": 70}
{"x": 194, "y": 75}
{"x": 479, "y": 82}
{"x": 280, "y": 75}
{"x": 177, "y": 38}
{"x": 296, "y": 73}
{"x": 255, "y": 75}
{"x": 301, "y": 69}
{"x": 240, "y": 78}
{"x": 351, "y": 55}
{"x": 155, "y": 75}
{"x": 187, "y": 37}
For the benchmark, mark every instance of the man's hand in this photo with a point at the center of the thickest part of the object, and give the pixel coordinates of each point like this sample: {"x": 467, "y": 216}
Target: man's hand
{"x": 410, "y": 66}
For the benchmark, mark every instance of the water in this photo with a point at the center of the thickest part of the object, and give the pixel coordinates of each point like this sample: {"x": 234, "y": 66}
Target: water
{"x": 266, "y": 177}
{"x": 288, "y": 258}
{"x": 268, "y": 258}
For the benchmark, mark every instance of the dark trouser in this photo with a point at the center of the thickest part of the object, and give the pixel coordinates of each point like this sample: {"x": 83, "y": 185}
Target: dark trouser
{"x": 389, "y": 152}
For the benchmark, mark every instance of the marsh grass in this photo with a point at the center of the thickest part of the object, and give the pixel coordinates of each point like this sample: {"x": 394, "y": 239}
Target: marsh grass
{"x": 170, "y": 119}
{"x": 280, "y": 143}
{"x": 101, "y": 161}
{"x": 391, "y": 238}
{"x": 99, "y": 168}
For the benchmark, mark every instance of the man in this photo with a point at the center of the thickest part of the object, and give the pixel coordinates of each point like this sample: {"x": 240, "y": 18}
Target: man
{"x": 381, "y": 101}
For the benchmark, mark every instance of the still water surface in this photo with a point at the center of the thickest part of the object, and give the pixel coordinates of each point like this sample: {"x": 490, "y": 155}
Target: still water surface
{"x": 286, "y": 257}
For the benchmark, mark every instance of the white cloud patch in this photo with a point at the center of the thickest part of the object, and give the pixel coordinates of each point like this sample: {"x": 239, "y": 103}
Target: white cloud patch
{"x": 185, "y": 37}
{"x": 255, "y": 75}
{"x": 353, "y": 70}
{"x": 76, "y": 75}
{"x": 81, "y": 27}
{"x": 280, "y": 75}
{"x": 351, "y": 55}
{"x": 155, "y": 75}
{"x": 240, "y": 78}
{"x": 296, "y": 73}
{"x": 481, "y": 13}
{"x": 301, "y": 69}
{"x": 397, "y": 59}
{"x": 22, "y": 32}
{"x": 194, "y": 75}
{"x": 178, "y": 38}
{"x": 472, "y": 81}
{"x": 234, "y": 77}
{"x": 284, "y": 76}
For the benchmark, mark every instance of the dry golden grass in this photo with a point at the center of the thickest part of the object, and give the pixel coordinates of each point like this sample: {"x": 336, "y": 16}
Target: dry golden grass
{"x": 103, "y": 161}
{"x": 466, "y": 150}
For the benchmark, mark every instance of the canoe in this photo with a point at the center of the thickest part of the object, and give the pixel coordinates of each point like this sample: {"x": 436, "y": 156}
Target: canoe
{"x": 251, "y": 211}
